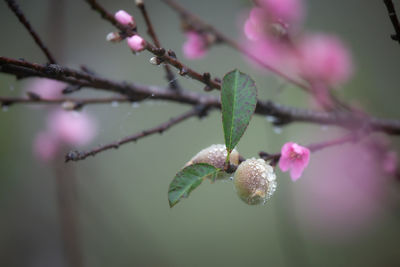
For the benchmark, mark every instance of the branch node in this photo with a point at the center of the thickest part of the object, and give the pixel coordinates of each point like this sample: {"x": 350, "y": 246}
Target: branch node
{"x": 183, "y": 71}
{"x": 73, "y": 156}
{"x": 139, "y": 3}
{"x": 54, "y": 69}
{"x": 171, "y": 54}
{"x": 71, "y": 89}
{"x": 208, "y": 88}
{"x": 159, "y": 52}
{"x": 33, "y": 96}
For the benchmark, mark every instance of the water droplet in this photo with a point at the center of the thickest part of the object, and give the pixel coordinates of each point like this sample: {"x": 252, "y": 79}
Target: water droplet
{"x": 277, "y": 130}
{"x": 270, "y": 118}
{"x": 135, "y": 105}
{"x": 231, "y": 178}
{"x": 114, "y": 104}
{"x": 152, "y": 95}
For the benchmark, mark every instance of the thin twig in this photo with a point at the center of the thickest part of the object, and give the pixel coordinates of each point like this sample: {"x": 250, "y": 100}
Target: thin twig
{"x": 160, "y": 52}
{"x": 150, "y": 30}
{"x": 282, "y": 114}
{"x": 223, "y": 38}
{"x": 314, "y": 147}
{"x": 68, "y": 103}
{"x": 393, "y": 18}
{"x": 76, "y": 155}
{"x": 109, "y": 17}
{"x": 200, "y": 25}
{"x": 17, "y": 11}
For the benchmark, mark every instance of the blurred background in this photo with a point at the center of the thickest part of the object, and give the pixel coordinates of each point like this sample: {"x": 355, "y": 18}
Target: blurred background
{"x": 342, "y": 212}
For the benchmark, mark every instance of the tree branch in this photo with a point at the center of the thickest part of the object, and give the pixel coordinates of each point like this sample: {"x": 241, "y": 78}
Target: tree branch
{"x": 135, "y": 92}
{"x": 125, "y": 30}
{"x": 196, "y": 111}
{"x": 67, "y": 103}
{"x": 150, "y": 30}
{"x": 393, "y": 18}
{"x": 160, "y": 52}
{"x": 17, "y": 11}
{"x": 198, "y": 24}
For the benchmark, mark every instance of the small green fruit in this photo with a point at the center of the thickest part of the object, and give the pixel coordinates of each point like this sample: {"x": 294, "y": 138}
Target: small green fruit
{"x": 215, "y": 155}
{"x": 255, "y": 181}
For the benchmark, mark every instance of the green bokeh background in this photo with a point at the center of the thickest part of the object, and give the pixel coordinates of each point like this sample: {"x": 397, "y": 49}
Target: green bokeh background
{"x": 124, "y": 218}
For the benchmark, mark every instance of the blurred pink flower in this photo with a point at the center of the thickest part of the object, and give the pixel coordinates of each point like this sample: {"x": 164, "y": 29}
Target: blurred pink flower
{"x": 72, "y": 128}
{"x": 285, "y": 11}
{"x": 324, "y": 59}
{"x": 124, "y": 18}
{"x": 136, "y": 43}
{"x": 344, "y": 191}
{"x": 274, "y": 53}
{"x": 267, "y": 40}
{"x": 295, "y": 158}
{"x": 45, "y": 88}
{"x": 265, "y": 19}
{"x": 390, "y": 162}
{"x": 195, "y": 46}
{"x": 255, "y": 26}
{"x": 45, "y": 146}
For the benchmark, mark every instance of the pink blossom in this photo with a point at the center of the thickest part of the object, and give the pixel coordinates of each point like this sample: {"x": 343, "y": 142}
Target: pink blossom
{"x": 295, "y": 158}
{"x": 124, "y": 18}
{"x": 255, "y": 25}
{"x": 274, "y": 53}
{"x": 46, "y": 88}
{"x": 286, "y": 11}
{"x": 45, "y": 146}
{"x": 136, "y": 43}
{"x": 71, "y": 127}
{"x": 266, "y": 40}
{"x": 390, "y": 162}
{"x": 195, "y": 46}
{"x": 264, "y": 19}
{"x": 325, "y": 59}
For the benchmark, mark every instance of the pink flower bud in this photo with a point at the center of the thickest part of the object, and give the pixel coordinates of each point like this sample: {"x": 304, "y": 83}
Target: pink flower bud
{"x": 45, "y": 146}
{"x": 125, "y": 18}
{"x": 136, "y": 43}
{"x": 295, "y": 158}
{"x": 72, "y": 127}
{"x": 325, "y": 59}
{"x": 195, "y": 46}
{"x": 46, "y": 88}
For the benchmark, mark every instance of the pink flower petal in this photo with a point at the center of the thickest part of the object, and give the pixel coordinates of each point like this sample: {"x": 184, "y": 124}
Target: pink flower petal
{"x": 297, "y": 169}
{"x": 71, "y": 127}
{"x": 195, "y": 46}
{"x": 284, "y": 163}
{"x": 325, "y": 59}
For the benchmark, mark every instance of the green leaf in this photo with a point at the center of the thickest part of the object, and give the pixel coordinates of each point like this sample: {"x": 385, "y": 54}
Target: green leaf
{"x": 189, "y": 179}
{"x": 238, "y": 99}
